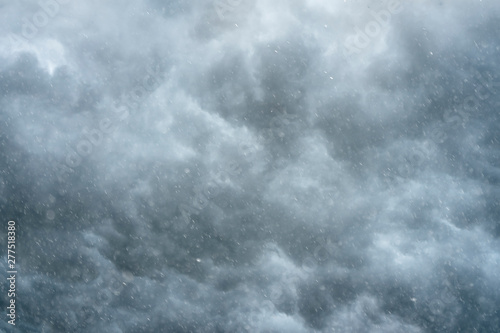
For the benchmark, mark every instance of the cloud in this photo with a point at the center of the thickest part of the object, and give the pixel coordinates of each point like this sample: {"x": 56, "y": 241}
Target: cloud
{"x": 230, "y": 167}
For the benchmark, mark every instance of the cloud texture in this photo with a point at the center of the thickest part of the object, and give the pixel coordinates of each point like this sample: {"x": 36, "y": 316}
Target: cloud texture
{"x": 252, "y": 166}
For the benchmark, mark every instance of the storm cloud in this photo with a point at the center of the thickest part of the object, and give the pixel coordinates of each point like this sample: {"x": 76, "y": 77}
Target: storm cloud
{"x": 251, "y": 166}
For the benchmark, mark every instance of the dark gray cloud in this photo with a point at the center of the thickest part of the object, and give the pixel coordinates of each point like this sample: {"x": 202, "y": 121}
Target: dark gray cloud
{"x": 236, "y": 166}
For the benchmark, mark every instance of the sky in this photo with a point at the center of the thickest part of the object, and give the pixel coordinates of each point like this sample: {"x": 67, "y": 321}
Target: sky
{"x": 251, "y": 166}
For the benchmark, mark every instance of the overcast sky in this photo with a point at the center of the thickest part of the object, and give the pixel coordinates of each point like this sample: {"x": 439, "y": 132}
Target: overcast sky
{"x": 251, "y": 166}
